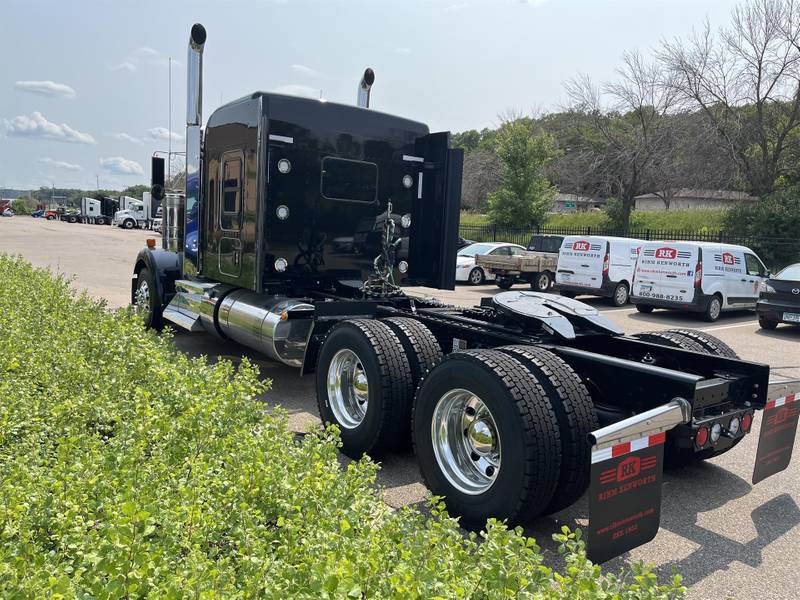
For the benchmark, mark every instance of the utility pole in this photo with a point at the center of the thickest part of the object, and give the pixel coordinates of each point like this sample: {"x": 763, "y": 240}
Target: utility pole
{"x": 97, "y": 177}
{"x": 169, "y": 137}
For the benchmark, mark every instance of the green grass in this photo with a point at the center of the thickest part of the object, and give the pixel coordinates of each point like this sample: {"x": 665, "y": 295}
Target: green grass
{"x": 700, "y": 221}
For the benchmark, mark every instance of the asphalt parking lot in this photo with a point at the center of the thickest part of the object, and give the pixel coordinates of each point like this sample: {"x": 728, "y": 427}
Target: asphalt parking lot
{"x": 727, "y": 537}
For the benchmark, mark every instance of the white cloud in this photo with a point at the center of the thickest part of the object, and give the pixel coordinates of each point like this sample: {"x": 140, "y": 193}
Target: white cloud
{"x": 38, "y": 127}
{"x": 162, "y": 133}
{"x": 59, "y": 164}
{"x": 124, "y": 137}
{"x": 121, "y": 166}
{"x": 45, "y": 88}
{"x": 304, "y": 70}
{"x": 124, "y": 66}
{"x": 143, "y": 56}
{"x": 296, "y": 89}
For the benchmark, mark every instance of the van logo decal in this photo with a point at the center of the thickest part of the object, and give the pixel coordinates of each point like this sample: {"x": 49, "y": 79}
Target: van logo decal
{"x": 581, "y": 246}
{"x": 666, "y": 253}
{"x": 727, "y": 258}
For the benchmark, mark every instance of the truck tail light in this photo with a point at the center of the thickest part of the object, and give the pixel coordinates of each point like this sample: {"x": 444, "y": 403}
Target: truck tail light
{"x": 698, "y": 275}
{"x": 747, "y": 421}
{"x": 606, "y": 264}
{"x": 701, "y": 438}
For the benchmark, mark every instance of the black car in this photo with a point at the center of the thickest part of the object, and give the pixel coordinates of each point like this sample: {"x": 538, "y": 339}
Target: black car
{"x": 779, "y": 300}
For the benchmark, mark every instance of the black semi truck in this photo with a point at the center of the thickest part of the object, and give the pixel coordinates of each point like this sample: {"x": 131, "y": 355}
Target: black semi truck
{"x": 301, "y": 222}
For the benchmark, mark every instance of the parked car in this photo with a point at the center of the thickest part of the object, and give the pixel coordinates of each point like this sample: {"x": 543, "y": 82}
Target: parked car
{"x": 467, "y": 270}
{"x": 7, "y": 212}
{"x": 37, "y": 213}
{"x": 779, "y": 298}
{"x": 597, "y": 266}
{"x": 702, "y": 277}
{"x": 462, "y": 243}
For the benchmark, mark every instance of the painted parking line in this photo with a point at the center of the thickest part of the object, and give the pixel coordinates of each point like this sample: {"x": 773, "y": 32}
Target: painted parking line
{"x": 748, "y": 324}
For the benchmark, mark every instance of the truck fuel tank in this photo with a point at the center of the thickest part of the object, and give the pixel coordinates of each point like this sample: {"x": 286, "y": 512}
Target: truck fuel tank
{"x": 275, "y": 325}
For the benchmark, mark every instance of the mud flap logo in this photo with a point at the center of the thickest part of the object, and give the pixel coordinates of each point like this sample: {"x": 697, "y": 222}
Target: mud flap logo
{"x": 625, "y": 496}
{"x": 775, "y": 443}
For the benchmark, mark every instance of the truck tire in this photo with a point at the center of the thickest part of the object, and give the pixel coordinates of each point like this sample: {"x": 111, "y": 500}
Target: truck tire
{"x": 621, "y": 294}
{"x": 129, "y": 224}
{"x": 575, "y": 415}
{"x": 713, "y": 309}
{"x": 504, "y": 283}
{"x": 72, "y": 219}
{"x": 696, "y": 341}
{"x": 100, "y": 221}
{"x": 486, "y": 438}
{"x": 671, "y": 339}
{"x": 50, "y": 218}
{"x": 711, "y": 344}
{"x": 147, "y": 300}
{"x": 419, "y": 344}
{"x": 364, "y": 386}
{"x": 541, "y": 282}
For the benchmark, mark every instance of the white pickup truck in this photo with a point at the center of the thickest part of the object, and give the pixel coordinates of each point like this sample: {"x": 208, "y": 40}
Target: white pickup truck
{"x": 537, "y": 266}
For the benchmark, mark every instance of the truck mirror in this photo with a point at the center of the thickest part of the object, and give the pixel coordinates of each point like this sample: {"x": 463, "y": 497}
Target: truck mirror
{"x": 157, "y": 178}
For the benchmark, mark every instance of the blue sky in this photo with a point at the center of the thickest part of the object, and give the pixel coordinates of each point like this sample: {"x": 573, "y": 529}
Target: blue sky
{"x": 84, "y": 85}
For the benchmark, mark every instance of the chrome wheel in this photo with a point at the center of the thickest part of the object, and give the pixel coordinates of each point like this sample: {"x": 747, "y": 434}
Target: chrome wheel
{"x": 465, "y": 441}
{"x": 142, "y": 299}
{"x": 348, "y": 389}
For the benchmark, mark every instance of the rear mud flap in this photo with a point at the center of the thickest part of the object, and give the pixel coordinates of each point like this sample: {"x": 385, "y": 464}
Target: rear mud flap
{"x": 625, "y": 496}
{"x": 776, "y": 440}
{"x": 628, "y": 465}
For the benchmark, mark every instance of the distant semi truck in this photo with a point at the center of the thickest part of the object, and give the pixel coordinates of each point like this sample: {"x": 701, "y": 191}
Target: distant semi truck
{"x": 92, "y": 211}
{"x": 135, "y": 213}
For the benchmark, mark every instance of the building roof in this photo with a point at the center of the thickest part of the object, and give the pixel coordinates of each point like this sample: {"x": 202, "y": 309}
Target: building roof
{"x": 729, "y": 195}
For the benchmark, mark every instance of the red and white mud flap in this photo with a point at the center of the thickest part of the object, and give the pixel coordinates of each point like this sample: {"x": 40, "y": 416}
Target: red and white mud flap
{"x": 778, "y": 429}
{"x": 626, "y": 475}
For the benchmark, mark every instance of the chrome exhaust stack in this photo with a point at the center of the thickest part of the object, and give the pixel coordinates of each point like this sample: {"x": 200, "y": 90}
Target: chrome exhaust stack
{"x": 364, "y": 87}
{"x": 194, "y": 140}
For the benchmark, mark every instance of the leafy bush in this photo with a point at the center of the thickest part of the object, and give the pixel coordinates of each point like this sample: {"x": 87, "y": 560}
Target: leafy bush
{"x": 130, "y": 470}
{"x": 774, "y": 222}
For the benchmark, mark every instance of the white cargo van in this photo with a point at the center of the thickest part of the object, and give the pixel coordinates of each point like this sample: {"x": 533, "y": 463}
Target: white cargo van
{"x": 697, "y": 276}
{"x": 597, "y": 266}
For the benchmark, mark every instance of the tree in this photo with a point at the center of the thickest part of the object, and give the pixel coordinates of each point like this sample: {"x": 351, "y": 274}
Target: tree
{"x": 745, "y": 81}
{"x": 135, "y": 190}
{"x": 481, "y": 177}
{"x": 625, "y": 131}
{"x": 526, "y": 194}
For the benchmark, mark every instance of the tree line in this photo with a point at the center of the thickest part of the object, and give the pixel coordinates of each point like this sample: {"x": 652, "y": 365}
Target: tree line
{"x": 717, "y": 109}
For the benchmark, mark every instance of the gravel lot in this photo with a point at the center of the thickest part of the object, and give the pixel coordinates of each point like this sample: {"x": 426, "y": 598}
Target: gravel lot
{"x": 727, "y": 537}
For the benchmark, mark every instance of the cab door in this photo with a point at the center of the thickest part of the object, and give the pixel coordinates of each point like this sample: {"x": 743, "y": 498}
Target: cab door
{"x": 435, "y": 212}
{"x": 229, "y": 213}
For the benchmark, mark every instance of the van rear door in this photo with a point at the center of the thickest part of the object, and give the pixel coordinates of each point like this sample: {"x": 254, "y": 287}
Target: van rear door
{"x": 666, "y": 271}
{"x": 580, "y": 261}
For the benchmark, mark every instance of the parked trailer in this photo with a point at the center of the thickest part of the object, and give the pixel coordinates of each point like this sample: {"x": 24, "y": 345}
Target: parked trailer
{"x": 514, "y": 407}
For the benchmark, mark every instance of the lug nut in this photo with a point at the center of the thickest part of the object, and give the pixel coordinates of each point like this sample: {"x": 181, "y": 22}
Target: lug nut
{"x": 474, "y": 456}
{"x": 489, "y": 471}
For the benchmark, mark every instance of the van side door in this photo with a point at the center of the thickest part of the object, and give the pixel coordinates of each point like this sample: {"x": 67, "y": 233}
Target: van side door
{"x": 756, "y": 273}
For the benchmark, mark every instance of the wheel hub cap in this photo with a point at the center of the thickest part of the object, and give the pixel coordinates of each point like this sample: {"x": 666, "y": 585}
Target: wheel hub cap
{"x": 142, "y": 298}
{"x": 465, "y": 441}
{"x": 348, "y": 389}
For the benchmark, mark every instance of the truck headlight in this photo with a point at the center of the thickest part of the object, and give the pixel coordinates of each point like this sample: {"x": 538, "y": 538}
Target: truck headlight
{"x": 281, "y": 264}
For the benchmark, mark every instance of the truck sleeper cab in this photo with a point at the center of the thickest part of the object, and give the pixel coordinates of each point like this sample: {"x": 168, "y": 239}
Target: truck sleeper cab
{"x": 597, "y": 266}
{"x": 700, "y": 277}
{"x": 300, "y": 221}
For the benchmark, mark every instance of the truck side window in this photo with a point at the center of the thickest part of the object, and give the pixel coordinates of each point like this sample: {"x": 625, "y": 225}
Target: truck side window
{"x": 231, "y": 193}
{"x": 754, "y": 266}
{"x": 349, "y": 180}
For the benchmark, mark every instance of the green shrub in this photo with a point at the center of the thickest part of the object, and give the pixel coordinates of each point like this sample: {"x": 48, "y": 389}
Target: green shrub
{"x": 129, "y": 470}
